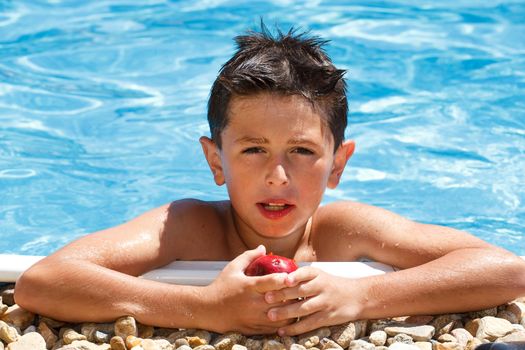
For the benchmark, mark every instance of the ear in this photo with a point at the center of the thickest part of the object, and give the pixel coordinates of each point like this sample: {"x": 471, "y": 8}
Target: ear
{"x": 342, "y": 154}
{"x": 211, "y": 152}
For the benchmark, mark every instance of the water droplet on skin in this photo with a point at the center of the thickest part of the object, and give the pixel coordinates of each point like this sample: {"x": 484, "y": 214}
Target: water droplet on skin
{"x": 383, "y": 245}
{"x": 349, "y": 246}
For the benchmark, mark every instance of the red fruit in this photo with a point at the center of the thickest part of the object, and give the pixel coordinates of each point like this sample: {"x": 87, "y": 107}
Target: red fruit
{"x": 270, "y": 263}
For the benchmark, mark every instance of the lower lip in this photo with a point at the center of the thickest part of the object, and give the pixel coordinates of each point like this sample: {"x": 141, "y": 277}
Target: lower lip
{"x": 274, "y": 214}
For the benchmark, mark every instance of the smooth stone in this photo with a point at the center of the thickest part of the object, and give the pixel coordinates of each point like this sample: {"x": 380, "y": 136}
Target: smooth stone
{"x": 402, "y": 346}
{"x": 205, "y": 347}
{"x": 288, "y": 341}
{"x": 226, "y": 341}
{"x": 117, "y": 343}
{"x": 378, "y": 338}
{"x": 149, "y": 344}
{"x": 182, "y": 347}
{"x": 418, "y": 333}
{"x": 270, "y": 344}
{"x": 29, "y": 341}
{"x": 239, "y": 347}
{"x": 8, "y": 295}
{"x": 473, "y": 343}
{"x": 509, "y": 316}
{"x": 512, "y": 337}
{"x": 126, "y": 326}
{"x": 491, "y": 328}
{"x": 518, "y": 309}
{"x": 313, "y": 338}
{"x": 18, "y": 317}
{"x": 145, "y": 331}
{"x": 297, "y": 347}
{"x": 327, "y": 343}
{"x": 253, "y": 344}
{"x": 423, "y": 345}
{"x": 132, "y": 341}
{"x": 163, "y": 344}
{"x": 447, "y": 338}
{"x": 445, "y": 323}
{"x": 70, "y": 335}
{"x": 447, "y": 346}
{"x": 462, "y": 336}
{"x": 360, "y": 345}
{"x": 29, "y": 329}
{"x": 346, "y": 333}
{"x": 195, "y": 341}
{"x": 7, "y": 333}
{"x": 49, "y": 336}
{"x": 180, "y": 342}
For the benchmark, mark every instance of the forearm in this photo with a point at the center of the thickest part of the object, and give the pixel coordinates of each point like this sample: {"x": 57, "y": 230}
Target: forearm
{"x": 98, "y": 294}
{"x": 469, "y": 279}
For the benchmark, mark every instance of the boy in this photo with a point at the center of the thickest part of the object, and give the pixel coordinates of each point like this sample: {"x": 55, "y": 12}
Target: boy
{"x": 277, "y": 113}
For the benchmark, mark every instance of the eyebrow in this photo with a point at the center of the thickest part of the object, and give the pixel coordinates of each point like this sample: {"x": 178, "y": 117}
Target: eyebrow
{"x": 263, "y": 140}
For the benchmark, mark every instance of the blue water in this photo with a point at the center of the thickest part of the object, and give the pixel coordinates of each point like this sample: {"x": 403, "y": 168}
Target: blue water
{"x": 102, "y": 103}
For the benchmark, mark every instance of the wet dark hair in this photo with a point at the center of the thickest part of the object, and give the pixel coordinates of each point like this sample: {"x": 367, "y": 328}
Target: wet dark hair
{"x": 286, "y": 64}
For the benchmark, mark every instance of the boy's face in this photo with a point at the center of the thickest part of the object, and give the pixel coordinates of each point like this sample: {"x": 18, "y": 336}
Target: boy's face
{"x": 276, "y": 159}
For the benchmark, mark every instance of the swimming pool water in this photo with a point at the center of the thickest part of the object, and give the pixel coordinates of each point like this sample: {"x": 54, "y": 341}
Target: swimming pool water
{"x": 102, "y": 104}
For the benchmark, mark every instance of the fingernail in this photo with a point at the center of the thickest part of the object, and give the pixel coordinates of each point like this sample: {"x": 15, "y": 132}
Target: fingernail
{"x": 272, "y": 315}
{"x": 269, "y": 297}
{"x": 281, "y": 332}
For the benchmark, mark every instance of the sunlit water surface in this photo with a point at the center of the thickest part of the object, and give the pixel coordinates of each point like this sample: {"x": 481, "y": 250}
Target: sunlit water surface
{"x": 102, "y": 103}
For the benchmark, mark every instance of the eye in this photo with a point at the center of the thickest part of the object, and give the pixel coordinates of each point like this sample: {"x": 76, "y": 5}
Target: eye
{"x": 253, "y": 150}
{"x": 302, "y": 150}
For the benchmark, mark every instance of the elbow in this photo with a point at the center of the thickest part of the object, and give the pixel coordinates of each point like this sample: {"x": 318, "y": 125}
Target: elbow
{"x": 29, "y": 289}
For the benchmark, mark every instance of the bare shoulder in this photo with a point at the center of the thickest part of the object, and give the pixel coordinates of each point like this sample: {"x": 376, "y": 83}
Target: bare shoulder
{"x": 150, "y": 240}
{"x": 379, "y": 234}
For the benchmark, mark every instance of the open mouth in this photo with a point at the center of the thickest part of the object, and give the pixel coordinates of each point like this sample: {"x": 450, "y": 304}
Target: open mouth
{"x": 275, "y": 206}
{"x": 275, "y": 210}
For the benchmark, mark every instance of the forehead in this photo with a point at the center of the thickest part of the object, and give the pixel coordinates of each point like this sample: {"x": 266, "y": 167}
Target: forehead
{"x": 275, "y": 112}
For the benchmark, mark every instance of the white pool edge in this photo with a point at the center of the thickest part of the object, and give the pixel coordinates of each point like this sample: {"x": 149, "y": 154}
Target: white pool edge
{"x": 197, "y": 272}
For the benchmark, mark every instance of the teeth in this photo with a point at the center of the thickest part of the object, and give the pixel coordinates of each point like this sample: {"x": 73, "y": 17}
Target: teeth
{"x": 274, "y": 206}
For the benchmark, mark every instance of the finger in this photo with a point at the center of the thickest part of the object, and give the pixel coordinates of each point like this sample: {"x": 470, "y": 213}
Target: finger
{"x": 242, "y": 261}
{"x": 302, "y": 274}
{"x": 303, "y": 325}
{"x": 293, "y": 310}
{"x": 271, "y": 282}
{"x": 303, "y": 290}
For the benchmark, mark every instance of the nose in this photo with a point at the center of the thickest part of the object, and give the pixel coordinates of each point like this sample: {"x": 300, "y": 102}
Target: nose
{"x": 277, "y": 175}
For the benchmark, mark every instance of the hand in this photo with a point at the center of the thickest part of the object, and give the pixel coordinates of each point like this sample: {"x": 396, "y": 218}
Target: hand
{"x": 320, "y": 299}
{"x": 236, "y": 301}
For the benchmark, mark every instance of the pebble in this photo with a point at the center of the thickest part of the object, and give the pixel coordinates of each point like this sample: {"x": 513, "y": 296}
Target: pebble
{"x": 417, "y": 333}
{"x": 344, "y": 334}
{"x": 7, "y": 333}
{"x": 271, "y": 344}
{"x": 441, "y": 332}
{"x": 462, "y": 336}
{"x": 18, "y": 317}
{"x": 126, "y": 326}
{"x": 50, "y": 338}
{"x": 29, "y": 341}
{"x": 360, "y": 345}
{"x": 117, "y": 343}
{"x": 403, "y": 346}
{"x": 8, "y": 294}
{"x": 489, "y": 327}
{"x": 378, "y": 338}
{"x": 423, "y": 345}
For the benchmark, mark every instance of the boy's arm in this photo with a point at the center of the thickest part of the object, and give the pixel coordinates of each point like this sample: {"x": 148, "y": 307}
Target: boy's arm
{"x": 93, "y": 279}
{"x": 445, "y": 270}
